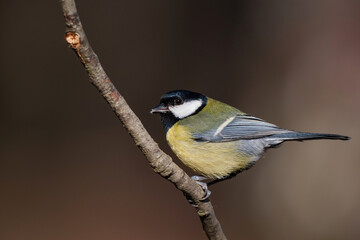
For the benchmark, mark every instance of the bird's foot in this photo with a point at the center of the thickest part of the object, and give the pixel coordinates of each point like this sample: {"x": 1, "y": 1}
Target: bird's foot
{"x": 204, "y": 186}
{"x": 198, "y": 180}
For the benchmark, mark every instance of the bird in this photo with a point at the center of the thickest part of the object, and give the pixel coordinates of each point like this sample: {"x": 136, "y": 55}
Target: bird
{"x": 216, "y": 140}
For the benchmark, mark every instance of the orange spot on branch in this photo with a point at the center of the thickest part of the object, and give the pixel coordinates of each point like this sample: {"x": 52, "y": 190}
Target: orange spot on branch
{"x": 73, "y": 39}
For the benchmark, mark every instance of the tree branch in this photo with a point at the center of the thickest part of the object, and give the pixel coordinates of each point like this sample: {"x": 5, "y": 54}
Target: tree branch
{"x": 158, "y": 160}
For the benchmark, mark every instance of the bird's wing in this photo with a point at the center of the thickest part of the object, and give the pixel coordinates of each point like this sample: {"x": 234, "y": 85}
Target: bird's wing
{"x": 240, "y": 127}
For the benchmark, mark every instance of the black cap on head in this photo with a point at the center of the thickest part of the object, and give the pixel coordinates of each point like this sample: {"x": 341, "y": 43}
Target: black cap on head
{"x": 182, "y": 95}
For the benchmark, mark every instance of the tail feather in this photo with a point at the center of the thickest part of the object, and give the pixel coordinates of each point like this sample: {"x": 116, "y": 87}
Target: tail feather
{"x": 299, "y": 136}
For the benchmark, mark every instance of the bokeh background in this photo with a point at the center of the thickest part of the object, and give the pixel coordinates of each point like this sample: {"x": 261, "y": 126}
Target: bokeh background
{"x": 68, "y": 170}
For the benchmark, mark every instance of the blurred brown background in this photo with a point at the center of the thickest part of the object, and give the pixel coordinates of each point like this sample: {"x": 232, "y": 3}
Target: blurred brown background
{"x": 68, "y": 170}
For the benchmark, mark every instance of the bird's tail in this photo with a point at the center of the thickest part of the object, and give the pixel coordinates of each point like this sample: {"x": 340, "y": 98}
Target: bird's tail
{"x": 300, "y": 136}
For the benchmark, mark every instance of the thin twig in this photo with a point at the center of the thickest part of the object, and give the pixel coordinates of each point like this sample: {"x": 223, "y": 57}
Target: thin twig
{"x": 158, "y": 160}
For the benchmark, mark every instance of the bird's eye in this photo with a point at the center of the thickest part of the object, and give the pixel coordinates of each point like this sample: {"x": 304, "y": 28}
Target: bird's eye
{"x": 177, "y": 101}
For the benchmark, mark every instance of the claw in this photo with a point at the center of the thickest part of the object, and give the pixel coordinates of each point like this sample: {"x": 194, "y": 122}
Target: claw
{"x": 192, "y": 203}
{"x": 206, "y": 190}
{"x": 203, "y": 185}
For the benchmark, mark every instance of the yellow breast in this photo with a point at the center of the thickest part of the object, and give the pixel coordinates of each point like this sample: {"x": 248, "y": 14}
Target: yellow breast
{"x": 212, "y": 160}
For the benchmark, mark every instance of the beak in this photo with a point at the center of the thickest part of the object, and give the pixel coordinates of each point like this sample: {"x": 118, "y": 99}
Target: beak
{"x": 159, "y": 109}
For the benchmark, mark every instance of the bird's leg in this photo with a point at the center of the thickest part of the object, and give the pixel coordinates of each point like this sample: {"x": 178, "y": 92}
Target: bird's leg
{"x": 198, "y": 180}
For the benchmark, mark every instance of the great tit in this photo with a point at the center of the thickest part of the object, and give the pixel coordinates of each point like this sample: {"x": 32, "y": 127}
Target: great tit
{"x": 216, "y": 140}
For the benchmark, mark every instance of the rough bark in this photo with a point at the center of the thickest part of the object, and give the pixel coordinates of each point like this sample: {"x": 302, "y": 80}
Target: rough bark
{"x": 158, "y": 160}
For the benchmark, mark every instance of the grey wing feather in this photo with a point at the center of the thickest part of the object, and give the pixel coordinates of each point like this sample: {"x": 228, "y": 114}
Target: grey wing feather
{"x": 240, "y": 127}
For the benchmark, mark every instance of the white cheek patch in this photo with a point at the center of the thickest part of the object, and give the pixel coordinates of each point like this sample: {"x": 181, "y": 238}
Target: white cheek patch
{"x": 185, "y": 109}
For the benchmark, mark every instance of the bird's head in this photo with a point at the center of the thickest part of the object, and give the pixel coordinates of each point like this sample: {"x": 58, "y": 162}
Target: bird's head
{"x": 180, "y": 104}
